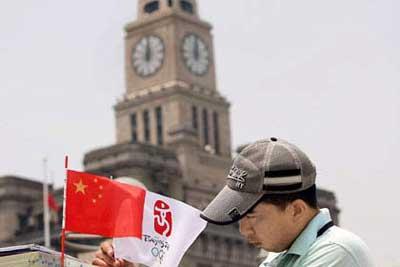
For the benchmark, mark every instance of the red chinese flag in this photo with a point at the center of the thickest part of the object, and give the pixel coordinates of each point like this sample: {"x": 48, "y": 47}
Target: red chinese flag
{"x": 98, "y": 205}
{"x": 53, "y": 205}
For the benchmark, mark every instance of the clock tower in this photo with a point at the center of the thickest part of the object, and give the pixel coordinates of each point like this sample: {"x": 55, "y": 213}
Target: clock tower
{"x": 171, "y": 99}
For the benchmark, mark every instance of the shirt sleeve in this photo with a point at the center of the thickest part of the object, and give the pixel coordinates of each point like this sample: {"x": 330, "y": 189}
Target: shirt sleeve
{"x": 330, "y": 255}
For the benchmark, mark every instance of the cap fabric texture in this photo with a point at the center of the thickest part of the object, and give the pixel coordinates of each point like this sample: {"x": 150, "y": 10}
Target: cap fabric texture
{"x": 270, "y": 166}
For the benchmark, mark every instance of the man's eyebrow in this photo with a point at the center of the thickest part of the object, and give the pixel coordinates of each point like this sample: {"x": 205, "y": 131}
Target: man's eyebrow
{"x": 251, "y": 210}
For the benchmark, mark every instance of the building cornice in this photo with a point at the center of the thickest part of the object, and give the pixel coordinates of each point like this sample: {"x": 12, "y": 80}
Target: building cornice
{"x": 167, "y": 90}
{"x": 165, "y": 17}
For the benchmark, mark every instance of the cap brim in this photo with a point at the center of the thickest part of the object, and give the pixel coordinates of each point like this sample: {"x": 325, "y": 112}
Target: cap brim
{"x": 222, "y": 209}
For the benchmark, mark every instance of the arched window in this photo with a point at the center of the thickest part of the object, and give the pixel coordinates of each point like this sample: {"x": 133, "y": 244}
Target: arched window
{"x": 217, "y": 247}
{"x": 146, "y": 124}
{"x": 195, "y": 122}
{"x": 187, "y": 6}
{"x": 169, "y": 3}
{"x": 133, "y": 128}
{"x": 228, "y": 249}
{"x": 216, "y": 132}
{"x": 151, "y": 7}
{"x": 159, "y": 121}
{"x": 205, "y": 127}
{"x": 205, "y": 244}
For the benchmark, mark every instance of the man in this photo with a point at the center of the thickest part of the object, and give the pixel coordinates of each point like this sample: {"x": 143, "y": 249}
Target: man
{"x": 271, "y": 190}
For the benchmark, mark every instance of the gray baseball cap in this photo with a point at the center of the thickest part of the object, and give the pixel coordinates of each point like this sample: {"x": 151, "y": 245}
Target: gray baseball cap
{"x": 269, "y": 166}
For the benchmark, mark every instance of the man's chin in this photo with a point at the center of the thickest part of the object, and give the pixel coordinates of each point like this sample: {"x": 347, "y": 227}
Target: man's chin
{"x": 270, "y": 249}
{"x": 264, "y": 247}
{"x": 257, "y": 245}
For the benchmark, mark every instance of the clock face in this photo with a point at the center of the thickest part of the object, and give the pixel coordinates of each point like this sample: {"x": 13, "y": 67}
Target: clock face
{"x": 195, "y": 54}
{"x": 148, "y": 55}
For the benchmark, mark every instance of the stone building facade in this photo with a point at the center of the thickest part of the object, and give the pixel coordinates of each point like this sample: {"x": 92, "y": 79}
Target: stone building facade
{"x": 173, "y": 135}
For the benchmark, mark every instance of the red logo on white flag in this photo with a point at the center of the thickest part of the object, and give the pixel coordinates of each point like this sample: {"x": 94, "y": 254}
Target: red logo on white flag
{"x": 158, "y": 245}
{"x": 162, "y": 218}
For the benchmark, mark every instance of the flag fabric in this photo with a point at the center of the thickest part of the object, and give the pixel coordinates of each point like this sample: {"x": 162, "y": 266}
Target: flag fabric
{"x": 169, "y": 228}
{"x": 53, "y": 205}
{"x": 53, "y": 208}
{"x": 98, "y": 205}
{"x": 148, "y": 228}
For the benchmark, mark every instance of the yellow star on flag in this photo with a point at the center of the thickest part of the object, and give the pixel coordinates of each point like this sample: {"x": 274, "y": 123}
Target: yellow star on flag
{"x": 80, "y": 187}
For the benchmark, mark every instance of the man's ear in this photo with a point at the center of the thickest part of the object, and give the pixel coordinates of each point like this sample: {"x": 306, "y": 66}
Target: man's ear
{"x": 298, "y": 209}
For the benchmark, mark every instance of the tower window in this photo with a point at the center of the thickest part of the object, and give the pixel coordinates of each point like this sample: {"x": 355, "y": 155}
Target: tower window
{"x": 186, "y": 6}
{"x": 205, "y": 245}
{"x": 170, "y": 3}
{"x": 205, "y": 127}
{"x": 151, "y": 7}
{"x": 133, "y": 128}
{"x": 159, "y": 126}
{"x": 146, "y": 124}
{"x": 216, "y": 132}
{"x": 195, "y": 122}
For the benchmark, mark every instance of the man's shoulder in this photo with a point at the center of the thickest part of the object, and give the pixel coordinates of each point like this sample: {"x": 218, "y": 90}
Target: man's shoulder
{"x": 340, "y": 243}
{"x": 345, "y": 239}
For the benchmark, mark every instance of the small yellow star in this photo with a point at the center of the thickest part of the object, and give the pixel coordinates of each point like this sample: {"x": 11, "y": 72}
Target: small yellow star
{"x": 80, "y": 187}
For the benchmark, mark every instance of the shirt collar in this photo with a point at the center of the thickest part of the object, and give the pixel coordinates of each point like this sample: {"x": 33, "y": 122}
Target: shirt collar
{"x": 309, "y": 234}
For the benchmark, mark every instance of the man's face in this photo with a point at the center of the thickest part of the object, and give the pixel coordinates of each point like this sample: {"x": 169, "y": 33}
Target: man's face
{"x": 269, "y": 227}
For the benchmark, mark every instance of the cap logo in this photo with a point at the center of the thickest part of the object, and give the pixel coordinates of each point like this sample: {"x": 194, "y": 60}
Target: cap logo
{"x": 238, "y": 175}
{"x": 234, "y": 214}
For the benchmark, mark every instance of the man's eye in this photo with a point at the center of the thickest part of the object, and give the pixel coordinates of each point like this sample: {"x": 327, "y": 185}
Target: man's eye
{"x": 250, "y": 215}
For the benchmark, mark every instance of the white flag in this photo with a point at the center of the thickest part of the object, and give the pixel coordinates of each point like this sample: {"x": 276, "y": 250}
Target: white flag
{"x": 169, "y": 228}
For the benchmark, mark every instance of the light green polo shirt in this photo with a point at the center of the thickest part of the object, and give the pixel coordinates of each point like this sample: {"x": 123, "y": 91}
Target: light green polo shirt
{"x": 334, "y": 248}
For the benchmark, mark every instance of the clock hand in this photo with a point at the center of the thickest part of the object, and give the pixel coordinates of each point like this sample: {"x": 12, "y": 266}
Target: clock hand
{"x": 148, "y": 51}
{"x": 196, "y": 52}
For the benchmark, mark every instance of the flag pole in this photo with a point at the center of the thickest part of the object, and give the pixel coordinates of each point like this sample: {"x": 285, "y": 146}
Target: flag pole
{"x": 46, "y": 220}
{"x": 64, "y": 208}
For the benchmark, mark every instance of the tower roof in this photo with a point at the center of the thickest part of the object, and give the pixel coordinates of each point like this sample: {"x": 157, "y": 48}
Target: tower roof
{"x": 150, "y": 8}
